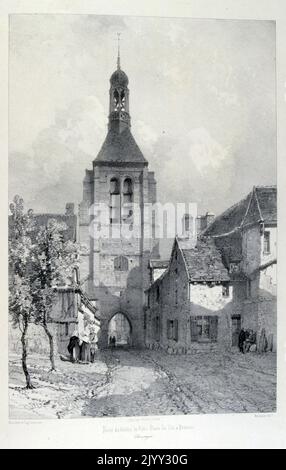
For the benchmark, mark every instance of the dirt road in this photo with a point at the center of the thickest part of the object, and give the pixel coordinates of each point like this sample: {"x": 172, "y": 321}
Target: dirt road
{"x": 133, "y": 383}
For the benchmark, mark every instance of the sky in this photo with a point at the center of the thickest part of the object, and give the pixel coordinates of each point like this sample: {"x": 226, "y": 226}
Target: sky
{"x": 202, "y": 104}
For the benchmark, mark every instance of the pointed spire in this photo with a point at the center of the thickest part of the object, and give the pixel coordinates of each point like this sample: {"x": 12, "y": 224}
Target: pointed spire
{"x": 118, "y": 53}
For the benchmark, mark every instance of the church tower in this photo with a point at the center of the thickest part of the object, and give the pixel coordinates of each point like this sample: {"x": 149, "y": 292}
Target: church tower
{"x": 116, "y": 226}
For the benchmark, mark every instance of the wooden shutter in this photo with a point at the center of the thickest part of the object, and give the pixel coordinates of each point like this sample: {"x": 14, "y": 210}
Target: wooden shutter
{"x": 175, "y": 330}
{"x": 213, "y": 328}
{"x": 194, "y": 331}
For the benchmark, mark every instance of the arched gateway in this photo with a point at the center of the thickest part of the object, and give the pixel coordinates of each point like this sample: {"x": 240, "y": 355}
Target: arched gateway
{"x": 119, "y": 331}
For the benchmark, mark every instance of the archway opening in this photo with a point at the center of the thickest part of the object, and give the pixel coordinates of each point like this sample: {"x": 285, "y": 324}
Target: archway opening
{"x": 119, "y": 331}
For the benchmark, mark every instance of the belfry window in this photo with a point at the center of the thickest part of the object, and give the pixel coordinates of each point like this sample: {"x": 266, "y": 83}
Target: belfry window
{"x": 116, "y": 100}
{"x": 127, "y": 206}
{"x": 122, "y": 100}
{"x": 121, "y": 263}
{"x": 119, "y": 100}
{"x": 114, "y": 201}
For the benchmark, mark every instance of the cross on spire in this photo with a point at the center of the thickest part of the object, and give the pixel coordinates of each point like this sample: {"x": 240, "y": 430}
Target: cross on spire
{"x": 118, "y": 53}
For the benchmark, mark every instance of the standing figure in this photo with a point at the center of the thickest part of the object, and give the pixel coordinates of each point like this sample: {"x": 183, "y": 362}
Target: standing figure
{"x": 74, "y": 348}
{"x": 241, "y": 340}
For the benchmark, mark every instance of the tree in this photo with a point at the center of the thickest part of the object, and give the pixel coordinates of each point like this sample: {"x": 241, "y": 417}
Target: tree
{"x": 54, "y": 261}
{"x": 20, "y": 296}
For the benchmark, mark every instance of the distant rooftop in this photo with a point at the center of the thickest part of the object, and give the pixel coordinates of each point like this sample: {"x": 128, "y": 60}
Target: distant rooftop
{"x": 260, "y": 205}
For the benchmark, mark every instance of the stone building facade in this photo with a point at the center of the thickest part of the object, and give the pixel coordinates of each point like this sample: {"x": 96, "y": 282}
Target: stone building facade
{"x": 116, "y": 227}
{"x": 189, "y": 307}
{"x": 246, "y": 234}
{"x": 220, "y": 283}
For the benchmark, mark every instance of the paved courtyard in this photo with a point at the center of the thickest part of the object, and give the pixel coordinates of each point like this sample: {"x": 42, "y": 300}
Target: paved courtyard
{"x": 134, "y": 383}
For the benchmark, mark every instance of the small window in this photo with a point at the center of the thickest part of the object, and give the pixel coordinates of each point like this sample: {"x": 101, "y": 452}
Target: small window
{"x": 225, "y": 290}
{"x": 266, "y": 242}
{"x": 66, "y": 329}
{"x": 172, "y": 330}
{"x": 121, "y": 263}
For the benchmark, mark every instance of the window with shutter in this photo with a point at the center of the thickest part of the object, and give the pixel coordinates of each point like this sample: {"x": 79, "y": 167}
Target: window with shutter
{"x": 204, "y": 328}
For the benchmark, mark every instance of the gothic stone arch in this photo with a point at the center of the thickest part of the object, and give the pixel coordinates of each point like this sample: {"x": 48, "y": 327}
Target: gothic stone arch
{"x": 120, "y": 328}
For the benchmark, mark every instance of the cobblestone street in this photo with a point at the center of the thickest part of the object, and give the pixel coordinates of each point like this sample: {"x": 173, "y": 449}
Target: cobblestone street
{"x": 134, "y": 383}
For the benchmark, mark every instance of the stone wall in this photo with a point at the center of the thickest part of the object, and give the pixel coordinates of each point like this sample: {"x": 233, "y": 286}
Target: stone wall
{"x": 118, "y": 291}
{"x": 173, "y": 298}
{"x": 260, "y": 309}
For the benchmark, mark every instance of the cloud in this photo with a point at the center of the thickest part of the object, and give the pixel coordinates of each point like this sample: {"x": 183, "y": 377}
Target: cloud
{"x": 204, "y": 151}
{"x": 55, "y": 165}
{"x": 202, "y": 96}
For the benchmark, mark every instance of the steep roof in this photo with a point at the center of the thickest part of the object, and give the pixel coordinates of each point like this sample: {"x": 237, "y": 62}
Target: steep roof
{"x": 204, "y": 262}
{"x": 230, "y": 219}
{"x": 119, "y": 147}
{"x": 258, "y": 206}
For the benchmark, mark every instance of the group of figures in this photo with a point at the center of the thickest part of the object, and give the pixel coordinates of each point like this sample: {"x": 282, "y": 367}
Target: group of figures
{"x": 81, "y": 351}
{"x": 247, "y": 341}
{"x": 83, "y": 344}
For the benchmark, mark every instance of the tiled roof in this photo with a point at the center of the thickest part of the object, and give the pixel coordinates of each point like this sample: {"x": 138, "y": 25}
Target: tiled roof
{"x": 230, "y": 219}
{"x": 259, "y": 205}
{"x": 204, "y": 262}
{"x": 119, "y": 147}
